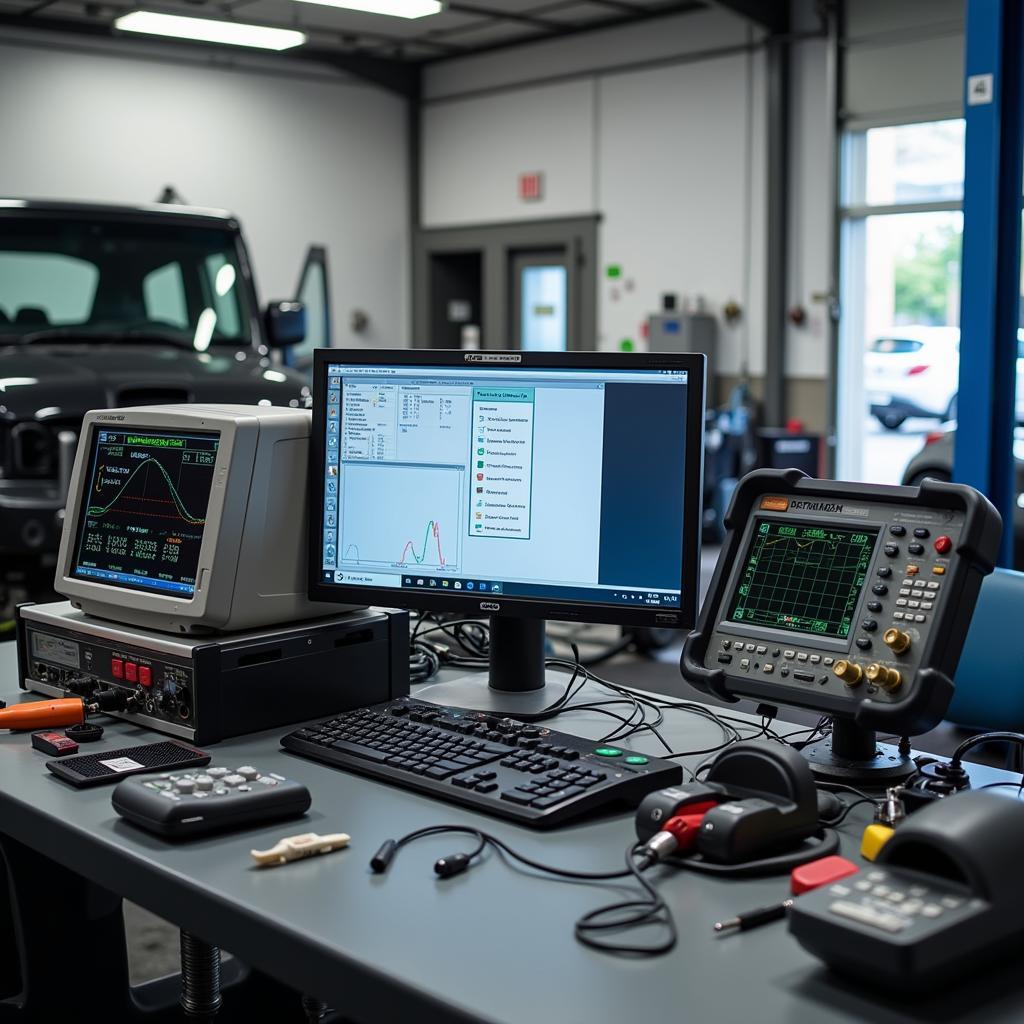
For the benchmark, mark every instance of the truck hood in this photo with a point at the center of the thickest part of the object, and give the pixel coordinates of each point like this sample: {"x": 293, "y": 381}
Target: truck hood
{"x": 66, "y": 380}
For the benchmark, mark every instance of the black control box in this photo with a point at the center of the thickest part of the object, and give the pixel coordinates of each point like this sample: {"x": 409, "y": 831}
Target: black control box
{"x": 849, "y": 599}
{"x": 205, "y": 689}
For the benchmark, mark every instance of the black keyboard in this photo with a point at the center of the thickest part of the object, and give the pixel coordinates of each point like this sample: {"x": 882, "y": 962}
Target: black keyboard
{"x": 498, "y": 765}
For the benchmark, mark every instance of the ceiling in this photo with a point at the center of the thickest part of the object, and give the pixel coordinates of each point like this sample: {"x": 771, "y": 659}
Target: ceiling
{"x": 368, "y": 43}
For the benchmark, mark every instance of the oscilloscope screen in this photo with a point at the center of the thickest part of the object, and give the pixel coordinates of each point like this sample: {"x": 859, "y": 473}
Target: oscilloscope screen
{"x": 143, "y": 511}
{"x": 803, "y": 577}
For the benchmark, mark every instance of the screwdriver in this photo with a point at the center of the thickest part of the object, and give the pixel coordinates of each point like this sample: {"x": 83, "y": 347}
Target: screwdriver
{"x": 42, "y": 714}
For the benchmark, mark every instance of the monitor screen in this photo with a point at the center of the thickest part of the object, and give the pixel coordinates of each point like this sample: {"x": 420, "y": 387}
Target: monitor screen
{"x": 144, "y": 508}
{"x": 803, "y": 577}
{"x": 552, "y": 483}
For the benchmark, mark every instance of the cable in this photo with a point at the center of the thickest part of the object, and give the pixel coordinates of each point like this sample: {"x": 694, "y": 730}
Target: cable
{"x": 985, "y": 737}
{"x": 633, "y": 913}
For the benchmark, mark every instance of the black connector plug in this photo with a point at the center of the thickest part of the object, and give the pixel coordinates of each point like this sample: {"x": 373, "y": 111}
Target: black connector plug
{"x": 113, "y": 699}
{"x": 382, "y": 859}
{"x": 455, "y": 864}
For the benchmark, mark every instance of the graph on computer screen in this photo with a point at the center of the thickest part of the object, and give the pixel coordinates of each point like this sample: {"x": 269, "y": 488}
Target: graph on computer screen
{"x": 401, "y": 516}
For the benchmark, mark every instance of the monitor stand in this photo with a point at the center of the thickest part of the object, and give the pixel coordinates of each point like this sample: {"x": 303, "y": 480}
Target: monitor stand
{"x": 853, "y": 755}
{"x": 515, "y": 682}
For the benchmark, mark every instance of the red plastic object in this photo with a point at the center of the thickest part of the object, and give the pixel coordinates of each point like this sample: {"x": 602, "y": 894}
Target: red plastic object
{"x": 117, "y": 668}
{"x": 686, "y": 827}
{"x": 145, "y": 675}
{"x": 820, "y": 872}
{"x": 943, "y": 544}
{"x": 131, "y": 671}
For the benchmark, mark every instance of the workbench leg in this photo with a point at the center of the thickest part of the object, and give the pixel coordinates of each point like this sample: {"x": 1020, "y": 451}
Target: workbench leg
{"x": 200, "y": 978}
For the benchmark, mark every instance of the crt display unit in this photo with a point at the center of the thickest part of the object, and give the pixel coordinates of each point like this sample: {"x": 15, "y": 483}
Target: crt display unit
{"x": 517, "y": 485}
{"x": 142, "y": 523}
{"x": 189, "y": 518}
{"x": 852, "y": 600}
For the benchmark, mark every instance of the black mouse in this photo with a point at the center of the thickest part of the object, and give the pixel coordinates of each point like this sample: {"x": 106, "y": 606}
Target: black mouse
{"x": 829, "y": 805}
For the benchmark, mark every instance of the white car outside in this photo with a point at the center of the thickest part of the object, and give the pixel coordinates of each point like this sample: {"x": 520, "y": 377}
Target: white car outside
{"x": 914, "y": 371}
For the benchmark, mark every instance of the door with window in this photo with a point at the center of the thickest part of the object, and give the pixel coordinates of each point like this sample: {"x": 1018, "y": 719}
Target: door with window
{"x": 529, "y": 286}
{"x": 313, "y": 292}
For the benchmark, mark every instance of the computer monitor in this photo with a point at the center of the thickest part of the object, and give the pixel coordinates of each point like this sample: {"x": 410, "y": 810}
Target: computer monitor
{"x": 515, "y": 485}
{"x": 189, "y": 518}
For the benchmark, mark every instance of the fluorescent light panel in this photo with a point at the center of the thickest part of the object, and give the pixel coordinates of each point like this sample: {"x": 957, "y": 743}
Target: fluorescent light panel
{"x": 206, "y": 30}
{"x": 396, "y": 8}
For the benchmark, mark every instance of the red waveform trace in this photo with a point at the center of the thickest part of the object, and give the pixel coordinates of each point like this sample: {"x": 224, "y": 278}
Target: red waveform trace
{"x": 433, "y": 528}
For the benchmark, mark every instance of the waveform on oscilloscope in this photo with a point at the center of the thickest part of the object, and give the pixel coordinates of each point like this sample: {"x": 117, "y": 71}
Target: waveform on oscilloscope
{"x": 433, "y": 527}
{"x": 183, "y": 512}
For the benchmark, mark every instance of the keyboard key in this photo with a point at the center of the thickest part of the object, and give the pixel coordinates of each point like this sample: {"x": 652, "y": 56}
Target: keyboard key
{"x": 358, "y": 750}
{"x": 514, "y": 796}
{"x": 486, "y": 787}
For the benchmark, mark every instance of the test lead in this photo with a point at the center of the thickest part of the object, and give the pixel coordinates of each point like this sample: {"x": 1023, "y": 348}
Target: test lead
{"x": 754, "y": 918}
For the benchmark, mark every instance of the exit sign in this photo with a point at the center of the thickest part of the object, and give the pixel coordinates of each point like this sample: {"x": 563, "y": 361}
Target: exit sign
{"x": 531, "y": 186}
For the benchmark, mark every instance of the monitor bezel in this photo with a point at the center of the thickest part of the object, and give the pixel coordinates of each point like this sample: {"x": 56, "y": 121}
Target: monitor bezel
{"x": 683, "y": 617}
{"x": 220, "y": 536}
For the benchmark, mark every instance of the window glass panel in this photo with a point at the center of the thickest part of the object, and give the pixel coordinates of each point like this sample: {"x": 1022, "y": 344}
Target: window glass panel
{"x": 45, "y": 289}
{"x": 915, "y": 163}
{"x": 221, "y": 279}
{"x": 544, "y": 313}
{"x": 163, "y": 292}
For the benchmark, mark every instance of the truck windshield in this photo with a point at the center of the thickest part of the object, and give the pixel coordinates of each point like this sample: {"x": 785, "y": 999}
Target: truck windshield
{"x": 71, "y": 279}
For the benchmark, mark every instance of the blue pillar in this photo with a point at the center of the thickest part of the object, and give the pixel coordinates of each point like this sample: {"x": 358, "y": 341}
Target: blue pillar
{"x": 990, "y": 282}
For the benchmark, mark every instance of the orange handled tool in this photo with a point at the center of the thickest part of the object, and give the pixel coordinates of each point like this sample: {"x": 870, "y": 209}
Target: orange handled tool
{"x": 42, "y": 714}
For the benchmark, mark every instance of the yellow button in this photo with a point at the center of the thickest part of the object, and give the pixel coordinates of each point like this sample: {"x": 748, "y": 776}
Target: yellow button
{"x": 938, "y": 570}
{"x": 875, "y": 837}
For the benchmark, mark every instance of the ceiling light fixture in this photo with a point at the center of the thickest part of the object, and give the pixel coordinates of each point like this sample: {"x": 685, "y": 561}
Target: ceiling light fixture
{"x": 233, "y": 33}
{"x": 395, "y": 8}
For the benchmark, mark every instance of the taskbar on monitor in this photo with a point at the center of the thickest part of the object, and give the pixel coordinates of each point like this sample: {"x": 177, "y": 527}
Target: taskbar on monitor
{"x": 503, "y": 588}
{"x": 132, "y": 580}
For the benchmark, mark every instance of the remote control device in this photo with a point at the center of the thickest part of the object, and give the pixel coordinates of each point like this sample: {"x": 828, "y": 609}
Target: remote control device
{"x": 178, "y": 805}
{"x": 943, "y": 899}
{"x": 849, "y": 599}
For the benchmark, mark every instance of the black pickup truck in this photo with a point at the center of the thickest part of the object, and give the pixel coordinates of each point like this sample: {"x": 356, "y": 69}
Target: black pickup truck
{"x": 105, "y": 306}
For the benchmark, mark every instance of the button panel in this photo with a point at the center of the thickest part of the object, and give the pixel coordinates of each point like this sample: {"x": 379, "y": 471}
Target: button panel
{"x": 162, "y": 684}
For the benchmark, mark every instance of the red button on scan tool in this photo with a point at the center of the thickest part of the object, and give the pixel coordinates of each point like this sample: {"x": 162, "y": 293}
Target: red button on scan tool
{"x": 117, "y": 668}
{"x": 131, "y": 671}
{"x": 943, "y": 544}
{"x": 145, "y": 675}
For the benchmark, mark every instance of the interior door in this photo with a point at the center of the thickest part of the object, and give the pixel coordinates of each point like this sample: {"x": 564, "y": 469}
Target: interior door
{"x": 313, "y": 291}
{"x": 540, "y": 308}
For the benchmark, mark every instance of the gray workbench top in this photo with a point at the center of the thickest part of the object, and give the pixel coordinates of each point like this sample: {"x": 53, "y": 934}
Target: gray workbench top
{"x": 494, "y": 944}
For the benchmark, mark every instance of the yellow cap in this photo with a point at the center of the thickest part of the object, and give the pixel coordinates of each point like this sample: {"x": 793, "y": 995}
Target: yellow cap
{"x": 875, "y": 837}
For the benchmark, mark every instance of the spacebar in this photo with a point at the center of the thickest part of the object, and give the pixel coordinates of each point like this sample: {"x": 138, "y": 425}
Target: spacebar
{"x": 358, "y": 750}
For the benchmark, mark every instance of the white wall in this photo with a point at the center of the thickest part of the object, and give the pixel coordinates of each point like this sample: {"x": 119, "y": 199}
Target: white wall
{"x": 473, "y": 150}
{"x": 300, "y": 160}
{"x": 668, "y": 149}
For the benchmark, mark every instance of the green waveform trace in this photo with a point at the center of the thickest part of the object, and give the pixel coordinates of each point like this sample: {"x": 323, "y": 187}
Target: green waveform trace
{"x": 98, "y": 511}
